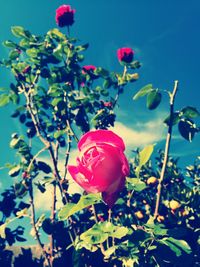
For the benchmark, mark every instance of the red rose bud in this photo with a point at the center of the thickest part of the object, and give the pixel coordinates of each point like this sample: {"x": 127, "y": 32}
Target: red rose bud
{"x": 107, "y": 104}
{"x": 26, "y": 70}
{"x": 125, "y": 54}
{"x": 101, "y": 164}
{"x": 65, "y": 16}
{"x": 88, "y": 69}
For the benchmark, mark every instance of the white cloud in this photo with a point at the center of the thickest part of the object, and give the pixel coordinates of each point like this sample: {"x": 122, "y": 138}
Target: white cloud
{"x": 144, "y": 134}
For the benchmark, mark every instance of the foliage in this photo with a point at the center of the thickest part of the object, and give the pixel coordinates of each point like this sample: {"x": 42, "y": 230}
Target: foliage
{"x": 55, "y": 102}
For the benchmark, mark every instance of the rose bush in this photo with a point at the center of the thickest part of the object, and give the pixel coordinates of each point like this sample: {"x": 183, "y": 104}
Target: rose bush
{"x": 101, "y": 164}
{"x": 125, "y": 54}
{"x": 65, "y": 16}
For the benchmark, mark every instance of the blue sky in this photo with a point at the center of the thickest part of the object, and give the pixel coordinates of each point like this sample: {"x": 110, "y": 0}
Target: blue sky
{"x": 165, "y": 36}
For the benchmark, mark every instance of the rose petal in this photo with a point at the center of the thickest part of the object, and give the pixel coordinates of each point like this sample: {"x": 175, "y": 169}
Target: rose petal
{"x": 81, "y": 179}
{"x": 97, "y": 137}
{"x": 111, "y": 195}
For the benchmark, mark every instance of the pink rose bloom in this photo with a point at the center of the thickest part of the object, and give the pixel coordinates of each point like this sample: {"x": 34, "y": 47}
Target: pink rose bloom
{"x": 101, "y": 164}
{"x": 125, "y": 54}
{"x": 65, "y": 16}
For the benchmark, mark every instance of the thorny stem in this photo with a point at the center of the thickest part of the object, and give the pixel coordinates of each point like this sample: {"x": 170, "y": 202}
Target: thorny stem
{"x": 33, "y": 219}
{"x": 34, "y": 158}
{"x": 68, "y": 147}
{"x": 53, "y": 208}
{"x": 50, "y": 148}
{"x": 120, "y": 88}
{"x": 167, "y": 147}
{"x": 96, "y": 220}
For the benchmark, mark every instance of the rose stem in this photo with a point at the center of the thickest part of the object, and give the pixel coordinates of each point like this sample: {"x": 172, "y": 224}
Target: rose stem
{"x": 33, "y": 218}
{"x": 167, "y": 147}
{"x": 47, "y": 144}
{"x": 96, "y": 220}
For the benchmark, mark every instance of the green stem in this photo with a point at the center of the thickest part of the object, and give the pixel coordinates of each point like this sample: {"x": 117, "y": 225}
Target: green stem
{"x": 167, "y": 147}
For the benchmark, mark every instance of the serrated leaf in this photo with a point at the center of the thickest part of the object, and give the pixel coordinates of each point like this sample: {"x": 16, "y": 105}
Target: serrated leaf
{"x": 71, "y": 208}
{"x": 143, "y": 91}
{"x": 153, "y": 99}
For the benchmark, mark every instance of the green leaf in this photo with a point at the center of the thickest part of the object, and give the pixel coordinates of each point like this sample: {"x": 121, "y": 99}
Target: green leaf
{"x": 32, "y": 52}
{"x": 144, "y": 91}
{"x": 57, "y": 134}
{"x": 99, "y": 232}
{"x": 4, "y": 100}
{"x": 2, "y": 230}
{"x": 136, "y": 184}
{"x": 19, "y": 31}
{"x": 187, "y": 129}
{"x": 9, "y": 44}
{"x": 13, "y": 54}
{"x": 94, "y": 236}
{"x": 178, "y": 246}
{"x": 134, "y": 65}
{"x": 107, "y": 253}
{"x": 81, "y": 47}
{"x": 71, "y": 208}
{"x": 14, "y": 171}
{"x": 15, "y": 143}
{"x": 43, "y": 167}
{"x": 175, "y": 118}
{"x": 101, "y": 72}
{"x": 153, "y": 99}
{"x": 56, "y": 33}
{"x": 145, "y": 154}
{"x": 190, "y": 112}
{"x": 119, "y": 232}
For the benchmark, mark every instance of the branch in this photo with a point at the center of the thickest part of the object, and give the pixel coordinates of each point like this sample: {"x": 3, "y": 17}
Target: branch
{"x": 96, "y": 220}
{"x": 167, "y": 147}
{"x": 36, "y": 155}
{"x": 33, "y": 219}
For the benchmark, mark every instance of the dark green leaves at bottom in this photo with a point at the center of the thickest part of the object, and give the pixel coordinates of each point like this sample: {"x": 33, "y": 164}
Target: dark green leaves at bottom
{"x": 176, "y": 245}
{"x": 99, "y": 232}
{"x": 153, "y": 99}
